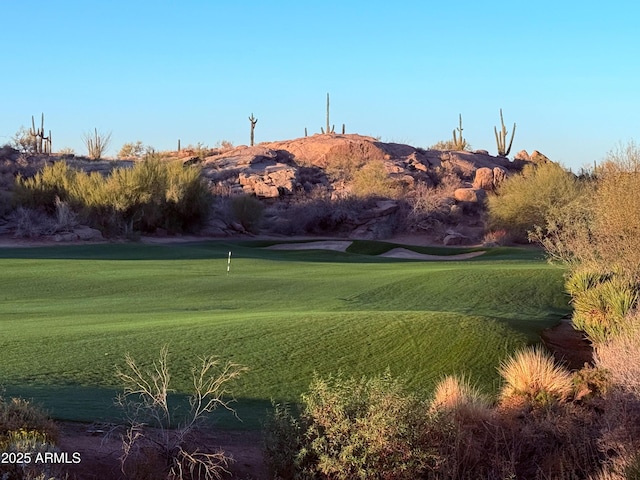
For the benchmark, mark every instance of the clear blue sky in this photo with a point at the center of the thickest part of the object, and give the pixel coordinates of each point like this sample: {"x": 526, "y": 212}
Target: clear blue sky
{"x": 157, "y": 71}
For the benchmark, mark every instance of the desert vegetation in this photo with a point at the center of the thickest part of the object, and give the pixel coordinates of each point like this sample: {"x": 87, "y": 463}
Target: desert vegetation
{"x": 153, "y": 194}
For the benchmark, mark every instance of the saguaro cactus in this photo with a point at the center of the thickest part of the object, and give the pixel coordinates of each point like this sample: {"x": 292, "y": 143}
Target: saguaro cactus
{"x": 253, "y": 121}
{"x": 41, "y": 144}
{"x": 459, "y": 143}
{"x": 328, "y": 112}
{"x": 329, "y": 129}
{"x": 501, "y": 138}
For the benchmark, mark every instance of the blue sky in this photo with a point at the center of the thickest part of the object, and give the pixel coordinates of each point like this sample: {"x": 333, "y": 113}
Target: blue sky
{"x": 157, "y": 71}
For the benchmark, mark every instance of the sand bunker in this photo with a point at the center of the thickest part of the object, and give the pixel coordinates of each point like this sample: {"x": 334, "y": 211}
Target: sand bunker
{"x": 404, "y": 253}
{"x": 337, "y": 245}
{"x": 342, "y": 245}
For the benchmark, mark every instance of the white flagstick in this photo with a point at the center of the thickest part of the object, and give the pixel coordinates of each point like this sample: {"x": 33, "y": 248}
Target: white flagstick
{"x": 229, "y": 263}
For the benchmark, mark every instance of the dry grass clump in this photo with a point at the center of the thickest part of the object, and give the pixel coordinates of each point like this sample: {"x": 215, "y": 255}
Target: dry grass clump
{"x": 456, "y": 394}
{"x": 534, "y": 376}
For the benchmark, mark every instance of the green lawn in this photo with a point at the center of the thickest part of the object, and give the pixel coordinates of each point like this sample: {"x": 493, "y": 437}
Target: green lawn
{"x": 68, "y": 315}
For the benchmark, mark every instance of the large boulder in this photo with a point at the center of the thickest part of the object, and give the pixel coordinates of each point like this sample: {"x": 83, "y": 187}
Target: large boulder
{"x": 269, "y": 181}
{"x": 470, "y": 195}
{"x": 484, "y": 179}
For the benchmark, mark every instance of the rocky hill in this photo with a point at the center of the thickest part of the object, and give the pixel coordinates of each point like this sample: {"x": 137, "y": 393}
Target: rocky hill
{"x": 332, "y": 184}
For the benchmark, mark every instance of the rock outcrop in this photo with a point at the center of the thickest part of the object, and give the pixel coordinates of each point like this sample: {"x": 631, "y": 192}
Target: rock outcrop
{"x": 278, "y": 169}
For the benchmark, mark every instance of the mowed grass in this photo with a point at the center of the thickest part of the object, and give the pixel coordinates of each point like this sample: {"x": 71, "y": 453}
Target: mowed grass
{"x": 68, "y": 315}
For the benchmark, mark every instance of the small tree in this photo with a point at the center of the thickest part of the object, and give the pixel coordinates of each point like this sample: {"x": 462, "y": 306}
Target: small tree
{"x": 96, "y": 143}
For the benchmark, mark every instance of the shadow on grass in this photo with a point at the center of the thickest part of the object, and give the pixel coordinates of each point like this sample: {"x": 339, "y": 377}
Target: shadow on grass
{"x": 97, "y": 405}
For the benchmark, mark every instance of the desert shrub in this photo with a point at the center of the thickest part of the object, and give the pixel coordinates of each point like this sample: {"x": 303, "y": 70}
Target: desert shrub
{"x": 26, "y": 429}
{"x": 350, "y": 429}
{"x": 67, "y": 152}
{"x": 343, "y": 166}
{"x": 618, "y": 355}
{"x": 372, "y": 180}
{"x": 160, "y": 440}
{"x": 23, "y": 141}
{"x": 534, "y": 197}
{"x": 19, "y": 414}
{"x": 449, "y": 145}
{"x": 283, "y": 442}
{"x": 224, "y": 146}
{"x": 579, "y": 281}
{"x": 152, "y": 194}
{"x": 496, "y": 238}
{"x": 247, "y": 210}
{"x": 41, "y": 190}
{"x": 533, "y": 376}
{"x": 602, "y": 230}
{"x": 616, "y": 224}
{"x": 600, "y": 309}
{"x": 133, "y": 150}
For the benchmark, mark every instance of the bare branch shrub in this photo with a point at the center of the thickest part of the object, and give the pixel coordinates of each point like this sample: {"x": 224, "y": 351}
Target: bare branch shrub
{"x": 429, "y": 205}
{"x": 97, "y": 143}
{"x": 157, "y": 432}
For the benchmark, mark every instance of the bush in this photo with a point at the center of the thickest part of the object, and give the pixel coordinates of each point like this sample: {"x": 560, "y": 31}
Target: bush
{"x": 618, "y": 355}
{"x": 600, "y": 308}
{"x": 133, "y": 150}
{"x": 350, "y": 429}
{"x": 25, "y": 428}
{"x": 372, "y": 180}
{"x": 247, "y": 210}
{"x": 446, "y": 145}
{"x": 533, "y": 376}
{"x": 533, "y": 198}
{"x": 152, "y": 194}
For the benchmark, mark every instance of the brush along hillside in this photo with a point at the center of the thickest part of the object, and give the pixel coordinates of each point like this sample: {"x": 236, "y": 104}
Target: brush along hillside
{"x": 331, "y": 184}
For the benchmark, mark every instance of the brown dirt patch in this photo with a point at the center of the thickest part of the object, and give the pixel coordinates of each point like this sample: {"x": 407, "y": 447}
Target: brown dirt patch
{"x": 568, "y": 345}
{"x": 100, "y": 452}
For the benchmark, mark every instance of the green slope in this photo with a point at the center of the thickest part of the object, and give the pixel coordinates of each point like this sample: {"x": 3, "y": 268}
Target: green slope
{"x": 68, "y": 316}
